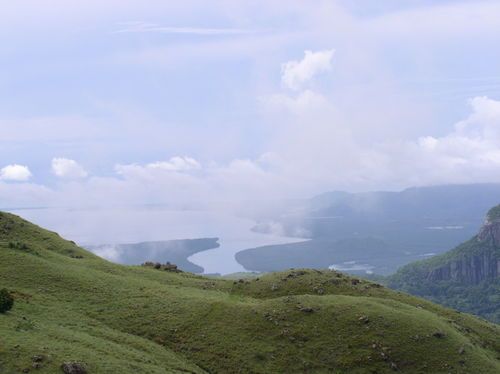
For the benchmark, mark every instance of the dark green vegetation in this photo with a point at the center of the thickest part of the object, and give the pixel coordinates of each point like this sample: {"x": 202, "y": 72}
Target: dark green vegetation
{"x": 72, "y": 306}
{"x": 159, "y": 266}
{"x": 175, "y": 251}
{"x": 466, "y": 278}
{"x": 321, "y": 253}
{"x": 494, "y": 213}
{"x": 385, "y": 230}
{"x": 6, "y": 300}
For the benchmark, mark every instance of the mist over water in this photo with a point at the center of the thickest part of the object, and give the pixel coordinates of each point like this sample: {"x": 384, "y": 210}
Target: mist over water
{"x": 221, "y": 260}
{"x": 112, "y": 226}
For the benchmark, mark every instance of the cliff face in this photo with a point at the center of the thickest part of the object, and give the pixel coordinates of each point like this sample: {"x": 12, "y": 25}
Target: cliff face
{"x": 468, "y": 269}
{"x": 466, "y": 278}
{"x": 480, "y": 264}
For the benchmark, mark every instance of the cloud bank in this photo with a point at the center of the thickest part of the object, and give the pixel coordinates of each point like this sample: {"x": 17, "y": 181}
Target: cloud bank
{"x": 470, "y": 152}
{"x": 178, "y": 108}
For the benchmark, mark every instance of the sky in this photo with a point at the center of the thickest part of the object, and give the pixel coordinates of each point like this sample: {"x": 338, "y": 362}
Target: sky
{"x": 144, "y": 102}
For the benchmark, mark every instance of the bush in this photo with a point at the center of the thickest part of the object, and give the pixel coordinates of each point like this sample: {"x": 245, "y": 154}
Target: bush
{"x": 6, "y": 300}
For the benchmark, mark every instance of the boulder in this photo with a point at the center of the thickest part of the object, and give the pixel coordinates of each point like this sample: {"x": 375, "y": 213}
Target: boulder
{"x": 73, "y": 368}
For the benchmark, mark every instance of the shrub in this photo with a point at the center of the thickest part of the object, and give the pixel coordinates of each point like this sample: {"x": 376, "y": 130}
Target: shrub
{"x": 6, "y": 300}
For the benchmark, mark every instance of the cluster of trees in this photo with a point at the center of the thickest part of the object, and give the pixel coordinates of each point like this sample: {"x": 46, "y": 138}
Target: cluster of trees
{"x": 167, "y": 266}
{"x": 482, "y": 299}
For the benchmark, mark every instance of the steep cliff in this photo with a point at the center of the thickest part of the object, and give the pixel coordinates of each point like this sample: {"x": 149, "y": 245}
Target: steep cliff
{"x": 466, "y": 278}
{"x": 472, "y": 269}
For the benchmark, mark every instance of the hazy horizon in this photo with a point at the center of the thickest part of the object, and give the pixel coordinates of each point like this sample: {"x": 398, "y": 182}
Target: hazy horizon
{"x": 133, "y": 103}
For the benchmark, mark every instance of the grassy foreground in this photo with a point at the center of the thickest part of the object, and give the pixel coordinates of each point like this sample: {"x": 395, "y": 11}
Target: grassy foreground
{"x": 73, "y": 306}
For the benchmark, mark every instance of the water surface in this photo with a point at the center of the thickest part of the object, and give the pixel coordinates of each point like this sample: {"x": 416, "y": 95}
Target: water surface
{"x": 91, "y": 227}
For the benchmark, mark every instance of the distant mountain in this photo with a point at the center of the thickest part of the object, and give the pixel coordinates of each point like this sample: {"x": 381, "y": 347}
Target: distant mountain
{"x": 435, "y": 207}
{"x": 378, "y": 231}
{"x": 412, "y": 202}
{"x": 77, "y": 313}
{"x": 466, "y": 278}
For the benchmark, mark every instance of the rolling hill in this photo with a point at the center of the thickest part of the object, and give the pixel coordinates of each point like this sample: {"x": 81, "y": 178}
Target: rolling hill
{"x": 72, "y": 306}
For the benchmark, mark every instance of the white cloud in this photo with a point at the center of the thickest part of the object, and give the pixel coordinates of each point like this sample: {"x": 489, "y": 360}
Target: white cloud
{"x": 316, "y": 154}
{"x": 476, "y": 138}
{"x": 15, "y": 172}
{"x": 319, "y": 139}
{"x": 239, "y": 179}
{"x": 67, "y": 168}
{"x": 472, "y": 150}
{"x": 296, "y": 73}
{"x": 176, "y": 164}
{"x": 321, "y": 147}
{"x": 484, "y": 122}
{"x": 470, "y": 153}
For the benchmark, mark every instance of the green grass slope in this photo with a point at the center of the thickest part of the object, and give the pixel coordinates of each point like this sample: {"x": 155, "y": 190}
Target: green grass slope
{"x": 73, "y": 306}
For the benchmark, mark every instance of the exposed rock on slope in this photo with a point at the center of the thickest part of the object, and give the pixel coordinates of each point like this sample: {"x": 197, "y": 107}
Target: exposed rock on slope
{"x": 468, "y": 269}
{"x": 466, "y": 278}
{"x": 490, "y": 232}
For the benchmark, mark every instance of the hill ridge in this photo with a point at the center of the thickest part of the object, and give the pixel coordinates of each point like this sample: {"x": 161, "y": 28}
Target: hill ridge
{"x": 131, "y": 319}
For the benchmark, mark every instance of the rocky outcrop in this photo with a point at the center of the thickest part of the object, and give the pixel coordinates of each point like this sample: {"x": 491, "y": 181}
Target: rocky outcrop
{"x": 466, "y": 278}
{"x": 468, "y": 269}
{"x": 73, "y": 368}
{"x": 482, "y": 263}
{"x": 490, "y": 232}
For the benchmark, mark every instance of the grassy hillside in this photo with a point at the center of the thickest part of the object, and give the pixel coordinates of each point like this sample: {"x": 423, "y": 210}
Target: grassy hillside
{"x": 73, "y": 306}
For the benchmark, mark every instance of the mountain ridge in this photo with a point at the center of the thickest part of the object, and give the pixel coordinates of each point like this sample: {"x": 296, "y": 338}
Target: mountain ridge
{"x": 412, "y": 224}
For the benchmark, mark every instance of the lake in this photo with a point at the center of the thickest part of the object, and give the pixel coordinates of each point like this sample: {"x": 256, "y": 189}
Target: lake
{"x": 130, "y": 225}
